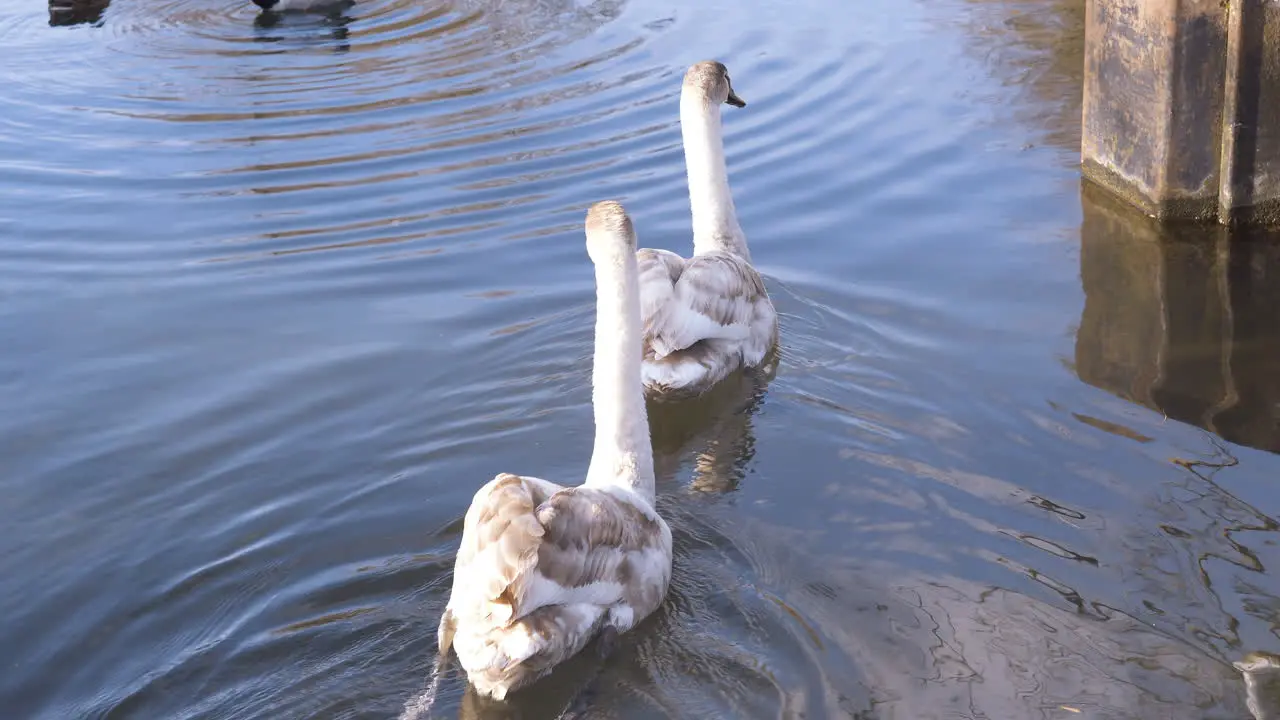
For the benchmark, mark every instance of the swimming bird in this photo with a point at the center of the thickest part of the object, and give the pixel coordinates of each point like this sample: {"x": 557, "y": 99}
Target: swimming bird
{"x": 708, "y": 315}
{"x": 1262, "y": 684}
{"x": 303, "y": 5}
{"x": 543, "y": 568}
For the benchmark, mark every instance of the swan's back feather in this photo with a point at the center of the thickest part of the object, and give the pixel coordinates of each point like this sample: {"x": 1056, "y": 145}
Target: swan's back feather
{"x": 703, "y": 318}
{"x": 721, "y": 286}
{"x": 542, "y": 567}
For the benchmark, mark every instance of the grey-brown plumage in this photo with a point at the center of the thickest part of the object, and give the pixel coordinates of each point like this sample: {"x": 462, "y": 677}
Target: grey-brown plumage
{"x": 542, "y": 569}
{"x": 709, "y": 315}
{"x": 710, "y": 79}
{"x": 703, "y": 318}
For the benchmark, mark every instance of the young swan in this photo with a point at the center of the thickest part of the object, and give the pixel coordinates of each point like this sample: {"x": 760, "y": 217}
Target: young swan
{"x": 709, "y": 315}
{"x": 544, "y": 568}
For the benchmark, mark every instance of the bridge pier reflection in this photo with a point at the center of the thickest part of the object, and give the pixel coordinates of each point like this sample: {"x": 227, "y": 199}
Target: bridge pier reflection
{"x": 1184, "y": 320}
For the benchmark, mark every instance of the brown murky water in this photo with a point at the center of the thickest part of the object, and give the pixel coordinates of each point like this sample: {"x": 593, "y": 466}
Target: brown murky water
{"x": 277, "y": 296}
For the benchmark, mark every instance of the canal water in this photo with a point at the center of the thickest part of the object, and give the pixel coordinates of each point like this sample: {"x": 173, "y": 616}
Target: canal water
{"x": 278, "y": 294}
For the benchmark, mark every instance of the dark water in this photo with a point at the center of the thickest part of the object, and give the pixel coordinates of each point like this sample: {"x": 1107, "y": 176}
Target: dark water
{"x": 276, "y": 298}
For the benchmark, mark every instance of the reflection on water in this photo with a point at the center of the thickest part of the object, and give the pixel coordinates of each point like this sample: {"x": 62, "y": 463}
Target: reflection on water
{"x": 874, "y": 641}
{"x": 714, "y": 430}
{"x": 1182, "y": 320}
{"x": 1036, "y": 47}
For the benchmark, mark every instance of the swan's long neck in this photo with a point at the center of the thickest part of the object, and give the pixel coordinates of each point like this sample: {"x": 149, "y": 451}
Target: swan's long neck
{"x": 715, "y": 222}
{"x": 623, "y": 454}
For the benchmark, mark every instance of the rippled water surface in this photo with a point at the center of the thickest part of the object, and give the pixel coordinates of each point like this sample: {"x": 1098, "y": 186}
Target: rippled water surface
{"x": 277, "y": 294}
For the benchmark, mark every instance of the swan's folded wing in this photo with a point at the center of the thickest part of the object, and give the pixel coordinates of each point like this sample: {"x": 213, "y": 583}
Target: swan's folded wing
{"x": 500, "y": 540}
{"x": 714, "y": 299}
{"x": 597, "y": 549}
{"x": 579, "y": 545}
{"x": 658, "y": 272}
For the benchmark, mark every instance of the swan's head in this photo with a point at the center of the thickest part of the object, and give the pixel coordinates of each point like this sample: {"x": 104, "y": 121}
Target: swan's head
{"x": 710, "y": 80}
{"x": 610, "y": 235}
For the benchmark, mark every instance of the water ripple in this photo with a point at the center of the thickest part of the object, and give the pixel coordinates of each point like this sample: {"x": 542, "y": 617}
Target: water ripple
{"x": 424, "y": 122}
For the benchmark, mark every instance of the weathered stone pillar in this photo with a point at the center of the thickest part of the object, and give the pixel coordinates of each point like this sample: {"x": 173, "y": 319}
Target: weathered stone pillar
{"x": 1153, "y": 86}
{"x": 1182, "y": 106}
{"x": 1181, "y": 320}
{"x": 1250, "y": 186}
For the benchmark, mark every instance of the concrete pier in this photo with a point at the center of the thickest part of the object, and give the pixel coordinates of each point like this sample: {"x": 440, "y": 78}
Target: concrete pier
{"x": 1182, "y": 106}
{"x": 1250, "y": 185}
{"x": 1181, "y": 320}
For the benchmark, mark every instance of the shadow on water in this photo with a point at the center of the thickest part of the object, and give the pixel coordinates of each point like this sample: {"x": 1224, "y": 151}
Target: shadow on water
{"x": 76, "y": 12}
{"x": 1182, "y": 320}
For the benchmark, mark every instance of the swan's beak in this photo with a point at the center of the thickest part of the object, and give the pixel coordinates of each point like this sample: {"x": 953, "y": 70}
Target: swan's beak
{"x": 734, "y": 100}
